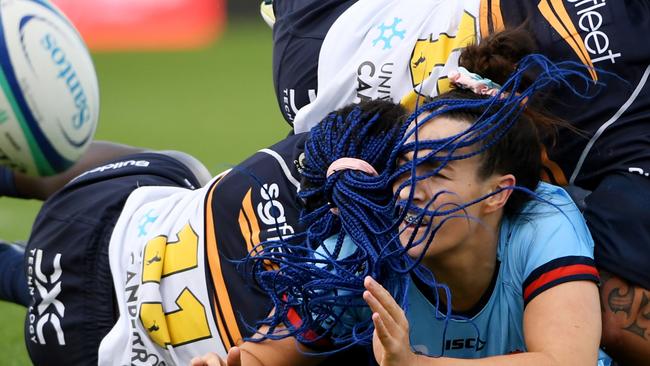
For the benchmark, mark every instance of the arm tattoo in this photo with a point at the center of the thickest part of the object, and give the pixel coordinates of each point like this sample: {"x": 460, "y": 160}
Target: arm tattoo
{"x": 618, "y": 301}
{"x": 635, "y": 327}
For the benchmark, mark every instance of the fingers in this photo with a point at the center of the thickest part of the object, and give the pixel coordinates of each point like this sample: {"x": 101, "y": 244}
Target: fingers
{"x": 197, "y": 361}
{"x": 234, "y": 357}
{"x": 210, "y": 359}
{"x": 384, "y": 303}
{"x": 379, "y": 311}
{"x": 391, "y": 344}
{"x": 381, "y": 331}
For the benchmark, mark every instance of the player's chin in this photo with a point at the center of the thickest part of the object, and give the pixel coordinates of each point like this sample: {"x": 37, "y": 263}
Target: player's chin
{"x": 405, "y": 232}
{"x": 416, "y": 251}
{"x": 406, "y": 236}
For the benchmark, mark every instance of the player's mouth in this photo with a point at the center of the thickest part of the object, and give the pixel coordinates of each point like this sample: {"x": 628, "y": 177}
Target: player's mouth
{"x": 412, "y": 220}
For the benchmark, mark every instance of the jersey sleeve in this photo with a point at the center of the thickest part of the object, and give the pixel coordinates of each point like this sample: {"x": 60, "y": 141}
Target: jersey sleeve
{"x": 256, "y": 201}
{"x": 553, "y": 244}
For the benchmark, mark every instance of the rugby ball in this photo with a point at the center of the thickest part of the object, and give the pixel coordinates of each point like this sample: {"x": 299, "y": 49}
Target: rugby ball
{"x": 49, "y": 96}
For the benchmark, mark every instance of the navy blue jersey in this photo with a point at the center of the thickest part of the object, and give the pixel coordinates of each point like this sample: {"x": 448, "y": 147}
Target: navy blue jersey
{"x": 298, "y": 33}
{"x": 175, "y": 255}
{"x": 607, "y": 35}
{"x": 131, "y": 263}
{"x": 610, "y": 36}
{"x": 255, "y": 202}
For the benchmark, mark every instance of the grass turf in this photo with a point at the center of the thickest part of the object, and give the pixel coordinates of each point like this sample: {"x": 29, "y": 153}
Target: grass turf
{"x": 216, "y": 104}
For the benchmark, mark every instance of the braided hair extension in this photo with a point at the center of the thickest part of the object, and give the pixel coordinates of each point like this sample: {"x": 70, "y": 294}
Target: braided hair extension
{"x": 320, "y": 278}
{"x": 315, "y": 281}
{"x": 496, "y": 117}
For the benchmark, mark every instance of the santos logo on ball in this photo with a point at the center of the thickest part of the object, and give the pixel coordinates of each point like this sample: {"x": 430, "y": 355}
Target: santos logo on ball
{"x": 48, "y": 85}
{"x": 65, "y": 73}
{"x": 69, "y": 75}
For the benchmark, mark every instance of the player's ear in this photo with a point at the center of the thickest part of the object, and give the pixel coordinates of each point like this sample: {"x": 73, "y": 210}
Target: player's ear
{"x": 500, "y": 189}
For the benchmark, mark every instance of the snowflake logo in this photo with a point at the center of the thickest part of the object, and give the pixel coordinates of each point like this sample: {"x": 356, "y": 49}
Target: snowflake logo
{"x": 144, "y": 222}
{"x": 387, "y": 39}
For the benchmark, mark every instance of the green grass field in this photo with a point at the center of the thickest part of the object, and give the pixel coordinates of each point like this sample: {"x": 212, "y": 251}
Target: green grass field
{"x": 216, "y": 104}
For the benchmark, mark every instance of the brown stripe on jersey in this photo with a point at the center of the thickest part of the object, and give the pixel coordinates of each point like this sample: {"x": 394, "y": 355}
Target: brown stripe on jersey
{"x": 228, "y": 328}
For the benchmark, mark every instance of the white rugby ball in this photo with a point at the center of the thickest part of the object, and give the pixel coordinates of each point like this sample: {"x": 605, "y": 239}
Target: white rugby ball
{"x": 49, "y": 96}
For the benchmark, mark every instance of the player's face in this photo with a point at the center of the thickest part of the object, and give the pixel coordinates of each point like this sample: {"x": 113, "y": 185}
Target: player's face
{"x": 462, "y": 184}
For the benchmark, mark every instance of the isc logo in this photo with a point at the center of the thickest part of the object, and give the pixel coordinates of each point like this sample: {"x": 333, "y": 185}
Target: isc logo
{"x": 464, "y": 343}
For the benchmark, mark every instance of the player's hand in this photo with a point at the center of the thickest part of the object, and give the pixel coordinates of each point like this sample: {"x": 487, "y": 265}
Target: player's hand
{"x": 212, "y": 359}
{"x": 390, "y": 343}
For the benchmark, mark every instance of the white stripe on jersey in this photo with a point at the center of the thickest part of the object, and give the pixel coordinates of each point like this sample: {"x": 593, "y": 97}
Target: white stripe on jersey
{"x": 606, "y": 125}
{"x": 284, "y": 166}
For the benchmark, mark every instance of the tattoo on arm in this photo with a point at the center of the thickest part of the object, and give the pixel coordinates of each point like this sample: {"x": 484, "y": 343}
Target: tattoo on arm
{"x": 621, "y": 301}
{"x": 635, "y": 327}
{"x": 621, "y": 298}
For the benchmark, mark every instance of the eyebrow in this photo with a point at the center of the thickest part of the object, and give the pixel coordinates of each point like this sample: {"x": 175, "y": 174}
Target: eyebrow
{"x": 432, "y": 163}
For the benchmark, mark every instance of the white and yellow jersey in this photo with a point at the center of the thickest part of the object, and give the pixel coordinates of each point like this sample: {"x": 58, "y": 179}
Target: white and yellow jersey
{"x": 174, "y": 260}
{"x": 398, "y": 49}
{"x": 392, "y": 49}
{"x": 158, "y": 267}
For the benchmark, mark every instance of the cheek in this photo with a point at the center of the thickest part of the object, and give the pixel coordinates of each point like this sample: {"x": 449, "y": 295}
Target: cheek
{"x": 396, "y": 185}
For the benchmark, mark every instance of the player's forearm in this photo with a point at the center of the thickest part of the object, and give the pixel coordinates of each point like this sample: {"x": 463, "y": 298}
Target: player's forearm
{"x": 98, "y": 153}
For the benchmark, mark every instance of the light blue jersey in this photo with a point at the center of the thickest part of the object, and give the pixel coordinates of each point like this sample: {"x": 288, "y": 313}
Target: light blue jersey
{"x": 537, "y": 250}
{"x": 546, "y": 245}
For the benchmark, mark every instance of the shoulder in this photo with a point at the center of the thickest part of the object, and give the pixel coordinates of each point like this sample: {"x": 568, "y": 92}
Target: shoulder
{"x": 276, "y": 163}
{"x": 259, "y": 196}
{"x": 549, "y": 215}
{"x": 548, "y": 243}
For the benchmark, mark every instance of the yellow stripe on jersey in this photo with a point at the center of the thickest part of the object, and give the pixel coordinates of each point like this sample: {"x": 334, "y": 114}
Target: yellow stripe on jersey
{"x": 228, "y": 328}
{"x": 558, "y": 17}
{"x": 491, "y": 18}
{"x": 558, "y": 177}
{"x": 497, "y": 17}
{"x": 250, "y": 228}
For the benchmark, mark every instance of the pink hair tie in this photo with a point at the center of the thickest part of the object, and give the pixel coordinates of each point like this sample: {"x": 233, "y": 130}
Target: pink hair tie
{"x": 474, "y": 82}
{"x": 349, "y": 164}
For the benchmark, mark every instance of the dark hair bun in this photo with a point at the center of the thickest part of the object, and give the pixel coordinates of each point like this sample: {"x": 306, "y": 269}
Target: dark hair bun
{"x": 496, "y": 56}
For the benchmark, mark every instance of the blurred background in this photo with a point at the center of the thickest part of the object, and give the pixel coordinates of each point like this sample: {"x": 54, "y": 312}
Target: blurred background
{"x": 190, "y": 75}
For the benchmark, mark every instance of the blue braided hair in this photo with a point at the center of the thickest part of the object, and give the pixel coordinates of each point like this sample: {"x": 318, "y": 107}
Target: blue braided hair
{"x": 309, "y": 282}
{"x": 503, "y": 131}
{"x": 321, "y": 271}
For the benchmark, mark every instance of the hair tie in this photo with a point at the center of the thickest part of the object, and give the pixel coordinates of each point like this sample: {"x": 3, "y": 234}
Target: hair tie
{"x": 349, "y": 164}
{"x": 474, "y": 82}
